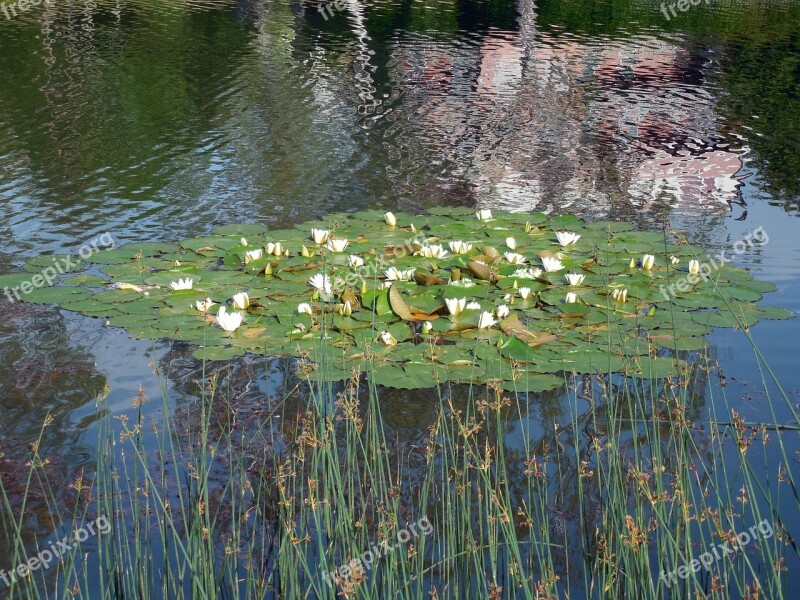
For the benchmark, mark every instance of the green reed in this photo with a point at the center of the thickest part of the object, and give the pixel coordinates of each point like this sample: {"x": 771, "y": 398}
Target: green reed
{"x": 589, "y": 491}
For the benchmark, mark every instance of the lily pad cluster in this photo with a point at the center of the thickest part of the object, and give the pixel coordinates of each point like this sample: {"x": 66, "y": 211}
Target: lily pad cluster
{"x": 413, "y": 300}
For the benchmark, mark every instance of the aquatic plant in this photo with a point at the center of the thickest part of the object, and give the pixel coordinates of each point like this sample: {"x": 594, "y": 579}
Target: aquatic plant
{"x": 433, "y": 285}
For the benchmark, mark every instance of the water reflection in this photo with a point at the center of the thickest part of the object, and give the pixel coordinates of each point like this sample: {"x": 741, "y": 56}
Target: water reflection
{"x": 153, "y": 119}
{"x": 47, "y": 375}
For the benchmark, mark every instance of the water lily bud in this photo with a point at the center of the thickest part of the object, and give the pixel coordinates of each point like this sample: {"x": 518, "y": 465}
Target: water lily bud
{"x": 503, "y": 311}
{"x": 304, "y": 308}
{"x": 427, "y": 326}
{"x": 694, "y": 267}
{"x": 268, "y": 269}
{"x": 632, "y": 264}
{"x": 511, "y": 243}
{"x": 484, "y": 215}
{"x": 391, "y": 220}
{"x": 243, "y": 242}
{"x": 305, "y": 252}
{"x": 346, "y": 309}
{"x": 674, "y": 260}
{"x": 648, "y": 261}
{"x": 241, "y": 300}
{"x": 571, "y": 298}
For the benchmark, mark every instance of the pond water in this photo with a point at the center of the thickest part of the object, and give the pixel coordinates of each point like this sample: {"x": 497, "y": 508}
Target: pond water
{"x": 156, "y": 120}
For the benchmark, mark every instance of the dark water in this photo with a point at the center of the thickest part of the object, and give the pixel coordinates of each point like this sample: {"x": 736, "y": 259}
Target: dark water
{"x": 158, "y": 120}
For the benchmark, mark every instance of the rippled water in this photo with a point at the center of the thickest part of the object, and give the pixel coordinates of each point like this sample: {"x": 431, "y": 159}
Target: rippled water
{"x": 157, "y": 120}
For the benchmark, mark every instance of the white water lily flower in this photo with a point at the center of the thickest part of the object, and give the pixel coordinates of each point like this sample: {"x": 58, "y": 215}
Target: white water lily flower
{"x": 648, "y": 261}
{"x": 336, "y": 244}
{"x": 503, "y": 311}
{"x": 472, "y": 306}
{"x": 228, "y": 321}
{"x": 524, "y": 292}
{"x": 464, "y": 282}
{"x": 455, "y": 305}
{"x": 394, "y": 274}
{"x": 484, "y": 215}
{"x": 486, "y": 320}
{"x": 346, "y": 309}
{"x": 515, "y": 258}
{"x": 355, "y": 261}
{"x": 182, "y": 284}
{"x": 675, "y": 260}
{"x": 241, "y": 300}
{"x": 511, "y": 243}
{"x": 252, "y": 255}
{"x": 387, "y": 338}
{"x": 575, "y": 278}
{"x": 391, "y": 220}
{"x": 427, "y": 327}
{"x": 571, "y": 298}
{"x": 320, "y": 236}
{"x": 459, "y": 247}
{"x": 551, "y": 264}
{"x": 204, "y": 305}
{"x": 321, "y": 282}
{"x": 565, "y": 238}
{"x": 620, "y": 295}
{"x": 432, "y": 251}
{"x": 304, "y": 308}
{"x": 528, "y": 273}
{"x": 694, "y": 267}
